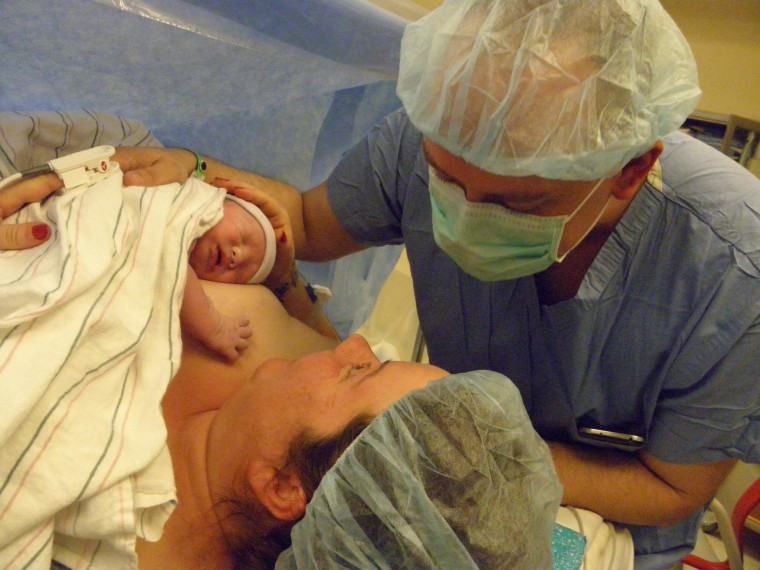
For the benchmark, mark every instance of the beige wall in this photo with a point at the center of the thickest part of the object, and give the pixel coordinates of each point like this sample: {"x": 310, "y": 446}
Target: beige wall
{"x": 429, "y": 4}
{"x": 725, "y": 38}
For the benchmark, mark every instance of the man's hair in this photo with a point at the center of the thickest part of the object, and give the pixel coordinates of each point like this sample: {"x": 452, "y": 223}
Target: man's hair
{"x": 254, "y": 536}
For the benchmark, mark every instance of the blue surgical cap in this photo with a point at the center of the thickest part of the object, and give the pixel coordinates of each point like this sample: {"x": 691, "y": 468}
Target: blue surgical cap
{"x": 452, "y": 476}
{"x": 561, "y": 89}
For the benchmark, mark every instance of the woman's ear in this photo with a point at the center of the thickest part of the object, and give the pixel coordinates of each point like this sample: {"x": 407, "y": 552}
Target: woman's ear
{"x": 628, "y": 181}
{"x": 279, "y": 490}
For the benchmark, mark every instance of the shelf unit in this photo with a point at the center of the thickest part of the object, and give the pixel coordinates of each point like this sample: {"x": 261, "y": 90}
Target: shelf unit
{"x": 734, "y": 136}
{"x": 741, "y": 139}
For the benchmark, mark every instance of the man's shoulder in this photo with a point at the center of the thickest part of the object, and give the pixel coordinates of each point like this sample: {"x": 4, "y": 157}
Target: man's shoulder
{"x": 708, "y": 185}
{"x": 399, "y": 127}
{"x": 398, "y": 119}
{"x": 690, "y": 166}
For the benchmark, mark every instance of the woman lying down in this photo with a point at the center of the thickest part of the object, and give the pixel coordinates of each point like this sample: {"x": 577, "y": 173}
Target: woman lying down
{"x": 115, "y": 455}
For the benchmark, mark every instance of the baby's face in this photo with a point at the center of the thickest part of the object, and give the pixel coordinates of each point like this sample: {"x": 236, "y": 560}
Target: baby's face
{"x": 233, "y": 250}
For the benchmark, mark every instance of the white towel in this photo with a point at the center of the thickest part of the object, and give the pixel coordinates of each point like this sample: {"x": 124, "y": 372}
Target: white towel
{"x": 89, "y": 339}
{"x": 608, "y": 547}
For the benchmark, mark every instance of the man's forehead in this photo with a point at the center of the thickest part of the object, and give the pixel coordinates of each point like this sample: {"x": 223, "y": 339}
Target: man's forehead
{"x": 463, "y": 172}
{"x": 447, "y": 162}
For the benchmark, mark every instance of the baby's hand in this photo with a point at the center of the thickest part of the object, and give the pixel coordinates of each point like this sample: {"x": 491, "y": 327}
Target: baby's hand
{"x": 231, "y": 336}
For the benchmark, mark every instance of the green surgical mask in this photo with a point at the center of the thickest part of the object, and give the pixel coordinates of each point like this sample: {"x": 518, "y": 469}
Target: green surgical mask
{"x": 494, "y": 243}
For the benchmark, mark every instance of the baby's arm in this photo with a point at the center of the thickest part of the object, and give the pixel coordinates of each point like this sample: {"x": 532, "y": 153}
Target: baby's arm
{"x": 225, "y": 335}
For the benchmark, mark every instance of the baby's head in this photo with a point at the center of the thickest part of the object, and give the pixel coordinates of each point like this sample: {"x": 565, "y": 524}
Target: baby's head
{"x": 239, "y": 249}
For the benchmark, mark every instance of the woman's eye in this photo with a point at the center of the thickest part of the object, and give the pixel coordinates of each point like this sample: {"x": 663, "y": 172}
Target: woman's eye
{"x": 359, "y": 367}
{"x": 352, "y": 370}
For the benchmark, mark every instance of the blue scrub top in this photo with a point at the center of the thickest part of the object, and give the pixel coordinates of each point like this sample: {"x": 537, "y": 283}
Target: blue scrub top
{"x": 661, "y": 340}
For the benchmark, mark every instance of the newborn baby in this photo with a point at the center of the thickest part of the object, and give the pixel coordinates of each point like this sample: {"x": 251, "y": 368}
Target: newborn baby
{"x": 238, "y": 249}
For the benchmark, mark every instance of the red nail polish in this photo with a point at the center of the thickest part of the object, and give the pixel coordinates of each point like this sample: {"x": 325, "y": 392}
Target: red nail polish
{"x": 40, "y": 231}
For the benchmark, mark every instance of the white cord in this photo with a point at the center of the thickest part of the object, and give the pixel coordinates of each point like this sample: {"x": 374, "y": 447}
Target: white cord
{"x": 8, "y": 180}
{"x": 29, "y": 173}
{"x": 579, "y": 521}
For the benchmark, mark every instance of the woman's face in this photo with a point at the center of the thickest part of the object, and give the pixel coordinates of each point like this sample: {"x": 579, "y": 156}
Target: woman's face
{"x": 233, "y": 250}
{"x": 323, "y": 392}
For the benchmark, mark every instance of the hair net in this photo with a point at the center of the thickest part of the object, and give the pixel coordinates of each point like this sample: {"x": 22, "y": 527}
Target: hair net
{"x": 560, "y": 89}
{"x": 451, "y": 476}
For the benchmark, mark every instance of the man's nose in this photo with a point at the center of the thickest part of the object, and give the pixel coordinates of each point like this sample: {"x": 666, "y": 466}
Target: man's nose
{"x": 474, "y": 195}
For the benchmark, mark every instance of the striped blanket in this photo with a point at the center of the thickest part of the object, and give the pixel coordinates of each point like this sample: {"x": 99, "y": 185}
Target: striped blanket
{"x": 89, "y": 339}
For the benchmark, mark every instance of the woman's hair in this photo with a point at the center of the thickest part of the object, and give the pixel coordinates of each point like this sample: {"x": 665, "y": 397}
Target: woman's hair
{"x": 255, "y": 537}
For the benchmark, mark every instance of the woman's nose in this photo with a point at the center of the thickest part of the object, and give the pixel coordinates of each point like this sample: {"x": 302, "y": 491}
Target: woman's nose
{"x": 356, "y": 349}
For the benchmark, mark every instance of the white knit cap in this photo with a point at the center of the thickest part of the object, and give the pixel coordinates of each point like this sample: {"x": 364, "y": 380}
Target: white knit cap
{"x": 269, "y": 240}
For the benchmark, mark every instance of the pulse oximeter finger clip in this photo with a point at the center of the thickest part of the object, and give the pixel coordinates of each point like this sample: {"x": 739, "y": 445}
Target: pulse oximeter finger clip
{"x": 84, "y": 167}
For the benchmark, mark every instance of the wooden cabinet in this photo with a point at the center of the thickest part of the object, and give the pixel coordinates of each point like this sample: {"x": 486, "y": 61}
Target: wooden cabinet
{"x": 734, "y": 136}
{"x": 741, "y": 139}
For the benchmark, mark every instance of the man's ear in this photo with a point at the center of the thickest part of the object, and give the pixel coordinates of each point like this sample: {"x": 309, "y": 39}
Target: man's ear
{"x": 628, "y": 181}
{"x": 279, "y": 490}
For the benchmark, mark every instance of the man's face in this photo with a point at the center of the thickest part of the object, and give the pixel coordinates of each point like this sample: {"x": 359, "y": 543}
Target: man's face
{"x": 525, "y": 194}
{"x": 233, "y": 250}
{"x": 322, "y": 392}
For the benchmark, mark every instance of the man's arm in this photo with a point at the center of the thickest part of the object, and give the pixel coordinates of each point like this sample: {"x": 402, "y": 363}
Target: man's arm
{"x": 635, "y": 489}
{"x": 317, "y": 234}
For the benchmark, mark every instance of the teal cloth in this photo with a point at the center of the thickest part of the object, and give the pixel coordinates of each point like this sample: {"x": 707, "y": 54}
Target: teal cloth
{"x": 568, "y": 548}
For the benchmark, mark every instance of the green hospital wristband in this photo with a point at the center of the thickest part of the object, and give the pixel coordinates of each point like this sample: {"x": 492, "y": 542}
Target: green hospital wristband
{"x": 200, "y": 165}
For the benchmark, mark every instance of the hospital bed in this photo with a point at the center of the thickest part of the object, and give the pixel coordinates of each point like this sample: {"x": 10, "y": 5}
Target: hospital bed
{"x": 280, "y": 87}
{"x": 447, "y": 464}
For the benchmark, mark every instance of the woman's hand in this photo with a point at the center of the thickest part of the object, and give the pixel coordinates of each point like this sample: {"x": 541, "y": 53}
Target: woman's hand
{"x": 13, "y": 198}
{"x": 148, "y": 166}
{"x": 141, "y": 167}
{"x": 284, "y": 263}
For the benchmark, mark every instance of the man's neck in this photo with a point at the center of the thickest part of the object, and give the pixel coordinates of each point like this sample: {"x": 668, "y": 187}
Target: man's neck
{"x": 561, "y": 281}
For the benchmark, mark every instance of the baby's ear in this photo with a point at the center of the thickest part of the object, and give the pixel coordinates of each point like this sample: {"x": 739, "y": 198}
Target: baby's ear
{"x": 278, "y": 489}
{"x": 629, "y": 180}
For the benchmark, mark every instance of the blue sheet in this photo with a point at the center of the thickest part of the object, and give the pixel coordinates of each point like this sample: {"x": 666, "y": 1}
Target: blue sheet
{"x": 280, "y": 87}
